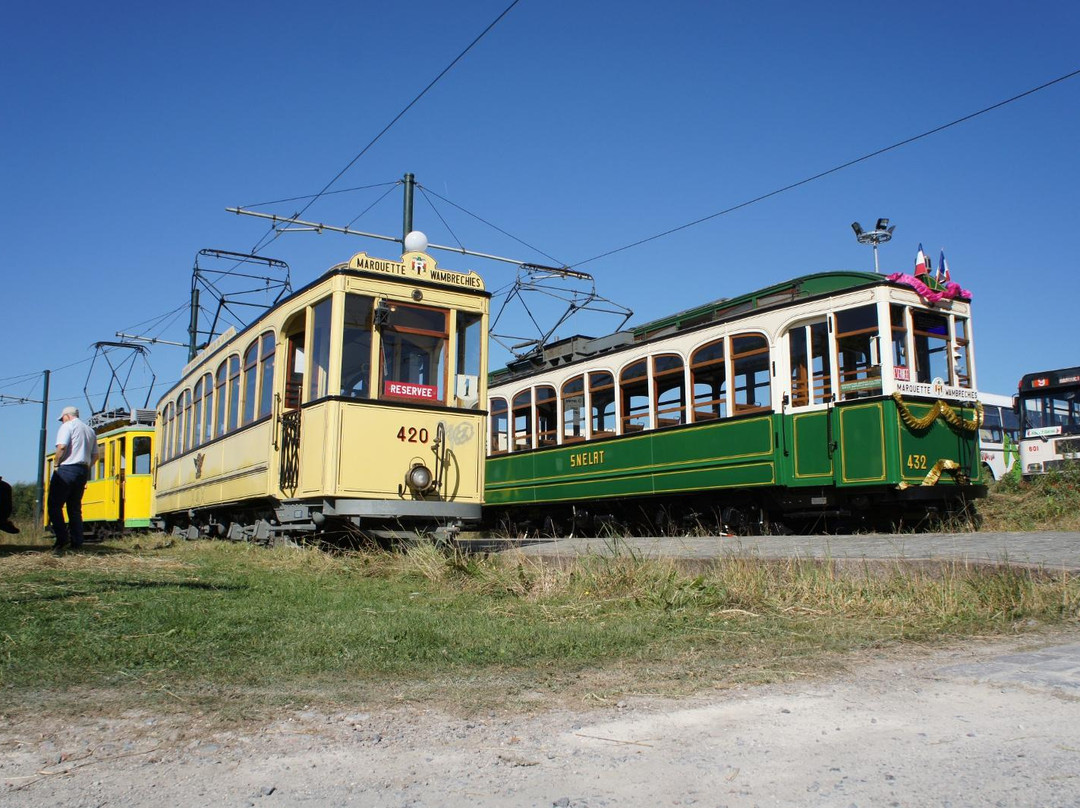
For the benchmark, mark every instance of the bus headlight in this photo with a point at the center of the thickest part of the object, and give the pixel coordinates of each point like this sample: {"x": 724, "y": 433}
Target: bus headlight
{"x": 419, "y": 478}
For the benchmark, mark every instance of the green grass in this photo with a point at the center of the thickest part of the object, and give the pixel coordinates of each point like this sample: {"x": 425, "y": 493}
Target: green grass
{"x": 219, "y": 626}
{"x": 1048, "y": 502}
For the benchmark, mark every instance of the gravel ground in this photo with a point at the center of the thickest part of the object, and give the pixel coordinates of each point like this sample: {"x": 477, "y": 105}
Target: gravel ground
{"x": 985, "y": 723}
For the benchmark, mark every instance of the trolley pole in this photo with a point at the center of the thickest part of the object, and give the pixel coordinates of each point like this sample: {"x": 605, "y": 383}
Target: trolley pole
{"x": 193, "y": 324}
{"x": 410, "y": 184}
{"x": 39, "y": 501}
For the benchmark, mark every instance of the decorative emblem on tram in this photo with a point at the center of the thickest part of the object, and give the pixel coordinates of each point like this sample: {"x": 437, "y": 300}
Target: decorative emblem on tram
{"x": 199, "y": 458}
{"x": 419, "y": 265}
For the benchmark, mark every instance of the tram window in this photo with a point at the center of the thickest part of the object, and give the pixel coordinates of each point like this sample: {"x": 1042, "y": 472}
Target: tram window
{"x": 634, "y": 390}
{"x": 811, "y": 372}
{"x": 99, "y": 466}
{"x": 469, "y": 343}
{"x": 208, "y": 410}
{"x": 931, "y": 332}
{"x": 196, "y": 414}
{"x": 898, "y": 316}
{"x": 799, "y": 355}
{"x": 414, "y": 345}
{"x": 319, "y": 372}
{"x": 251, "y": 362}
{"x": 669, "y": 381}
{"x": 547, "y": 420}
{"x": 751, "y": 373}
{"x": 234, "y": 392}
{"x": 166, "y": 431}
{"x": 573, "y": 410}
{"x": 356, "y": 347}
{"x": 185, "y": 431}
{"x": 961, "y": 374}
{"x": 857, "y": 367}
{"x": 500, "y": 436}
{"x": 602, "y": 403}
{"x": 266, "y": 374}
{"x": 140, "y": 454}
{"x": 220, "y": 387}
{"x": 178, "y": 429}
{"x": 708, "y": 373}
{"x": 522, "y": 421}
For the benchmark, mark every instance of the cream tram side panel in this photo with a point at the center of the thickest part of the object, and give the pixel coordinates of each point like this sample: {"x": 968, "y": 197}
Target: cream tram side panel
{"x": 380, "y": 444}
{"x": 228, "y": 470}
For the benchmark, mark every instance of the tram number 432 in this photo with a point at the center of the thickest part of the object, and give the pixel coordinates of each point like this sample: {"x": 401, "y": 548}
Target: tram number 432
{"x": 411, "y": 434}
{"x": 916, "y": 461}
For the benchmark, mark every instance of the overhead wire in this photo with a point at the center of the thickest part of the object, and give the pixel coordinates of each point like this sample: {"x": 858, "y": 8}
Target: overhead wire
{"x": 489, "y": 224}
{"x": 324, "y": 193}
{"x": 833, "y": 170}
{"x": 276, "y": 233}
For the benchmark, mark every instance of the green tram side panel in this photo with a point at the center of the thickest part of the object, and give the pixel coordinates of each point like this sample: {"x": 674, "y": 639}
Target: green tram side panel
{"x": 861, "y": 430}
{"x": 874, "y": 446}
{"x": 808, "y": 434}
{"x": 725, "y": 454}
{"x": 919, "y": 450}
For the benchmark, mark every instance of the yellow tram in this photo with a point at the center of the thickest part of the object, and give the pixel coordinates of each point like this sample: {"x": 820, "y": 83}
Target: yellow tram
{"x": 118, "y": 492}
{"x": 355, "y": 404}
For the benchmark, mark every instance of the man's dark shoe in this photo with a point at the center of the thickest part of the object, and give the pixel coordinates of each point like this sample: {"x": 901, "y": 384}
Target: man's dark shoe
{"x": 8, "y": 526}
{"x": 59, "y": 549}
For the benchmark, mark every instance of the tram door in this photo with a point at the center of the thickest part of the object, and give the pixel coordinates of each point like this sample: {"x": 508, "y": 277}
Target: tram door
{"x": 807, "y": 428}
{"x": 120, "y": 471}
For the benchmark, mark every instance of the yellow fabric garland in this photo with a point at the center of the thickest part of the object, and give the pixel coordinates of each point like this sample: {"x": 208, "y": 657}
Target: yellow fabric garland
{"x": 934, "y": 474}
{"x": 938, "y": 408}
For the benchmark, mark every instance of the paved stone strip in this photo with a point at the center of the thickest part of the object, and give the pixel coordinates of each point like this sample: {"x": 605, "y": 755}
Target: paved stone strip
{"x": 1055, "y": 551}
{"x": 1055, "y": 668}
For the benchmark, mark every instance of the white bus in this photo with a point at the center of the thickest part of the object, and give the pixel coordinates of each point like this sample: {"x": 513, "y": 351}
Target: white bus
{"x": 999, "y": 437}
{"x": 1049, "y": 404}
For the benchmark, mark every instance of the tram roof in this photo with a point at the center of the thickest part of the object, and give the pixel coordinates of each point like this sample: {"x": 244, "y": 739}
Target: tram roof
{"x": 778, "y": 294}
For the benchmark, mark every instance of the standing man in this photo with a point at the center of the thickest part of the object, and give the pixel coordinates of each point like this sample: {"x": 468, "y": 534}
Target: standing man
{"x": 76, "y": 449}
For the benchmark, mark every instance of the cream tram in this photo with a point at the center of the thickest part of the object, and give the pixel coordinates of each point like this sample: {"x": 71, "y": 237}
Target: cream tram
{"x": 356, "y": 404}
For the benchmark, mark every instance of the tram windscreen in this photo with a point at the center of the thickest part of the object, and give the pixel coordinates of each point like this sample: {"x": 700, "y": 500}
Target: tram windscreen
{"x": 414, "y": 344}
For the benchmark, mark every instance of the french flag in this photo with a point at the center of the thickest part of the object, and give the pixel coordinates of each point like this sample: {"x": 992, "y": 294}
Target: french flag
{"x": 943, "y": 269}
{"x": 922, "y": 263}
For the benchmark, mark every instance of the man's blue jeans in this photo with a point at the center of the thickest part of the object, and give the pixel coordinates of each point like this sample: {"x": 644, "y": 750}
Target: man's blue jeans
{"x": 66, "y": 490}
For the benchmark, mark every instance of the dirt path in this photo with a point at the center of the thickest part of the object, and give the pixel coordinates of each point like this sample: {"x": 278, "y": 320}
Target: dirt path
{"x": 988, "y": 723}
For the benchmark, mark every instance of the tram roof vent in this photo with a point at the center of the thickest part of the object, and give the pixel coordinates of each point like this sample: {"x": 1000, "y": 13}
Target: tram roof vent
{"x": 608, "y": 343}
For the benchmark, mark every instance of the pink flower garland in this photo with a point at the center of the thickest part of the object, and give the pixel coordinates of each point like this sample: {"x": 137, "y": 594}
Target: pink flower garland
{"x": 951, "y": 291}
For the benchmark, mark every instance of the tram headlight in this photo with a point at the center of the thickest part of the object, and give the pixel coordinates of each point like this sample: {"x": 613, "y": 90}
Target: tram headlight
{"x": 419, "y": 478}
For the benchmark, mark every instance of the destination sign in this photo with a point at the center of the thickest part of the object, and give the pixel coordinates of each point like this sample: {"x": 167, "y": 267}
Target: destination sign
{"x": 938, "y": 389}
{"x": 416, "y": 266}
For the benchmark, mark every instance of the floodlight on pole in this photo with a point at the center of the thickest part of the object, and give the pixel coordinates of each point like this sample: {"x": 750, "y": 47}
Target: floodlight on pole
{"x": 881, "y": 233}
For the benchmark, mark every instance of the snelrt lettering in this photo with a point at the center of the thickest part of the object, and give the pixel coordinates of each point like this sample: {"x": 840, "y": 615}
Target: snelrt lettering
{"x": 593, "y": 458}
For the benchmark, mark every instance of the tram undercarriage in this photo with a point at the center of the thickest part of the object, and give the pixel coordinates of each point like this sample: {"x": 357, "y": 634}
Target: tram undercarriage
{"x": 745, "y": 512}
{"x": 335, "y": 521}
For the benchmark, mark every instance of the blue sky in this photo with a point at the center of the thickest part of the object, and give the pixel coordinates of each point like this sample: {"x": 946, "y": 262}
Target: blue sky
{"x": 577, "y": 127}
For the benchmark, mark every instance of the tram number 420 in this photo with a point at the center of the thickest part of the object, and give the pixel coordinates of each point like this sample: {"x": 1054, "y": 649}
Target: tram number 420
{"x": 412, "y": 435}
{"x": 915, "y": 461}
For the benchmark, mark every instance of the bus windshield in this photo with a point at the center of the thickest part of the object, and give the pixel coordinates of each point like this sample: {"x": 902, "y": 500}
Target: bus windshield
{"x": 1060, "y": 409}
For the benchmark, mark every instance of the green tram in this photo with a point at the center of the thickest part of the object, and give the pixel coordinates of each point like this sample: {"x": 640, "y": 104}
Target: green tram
{"x": 834, "y": 400}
